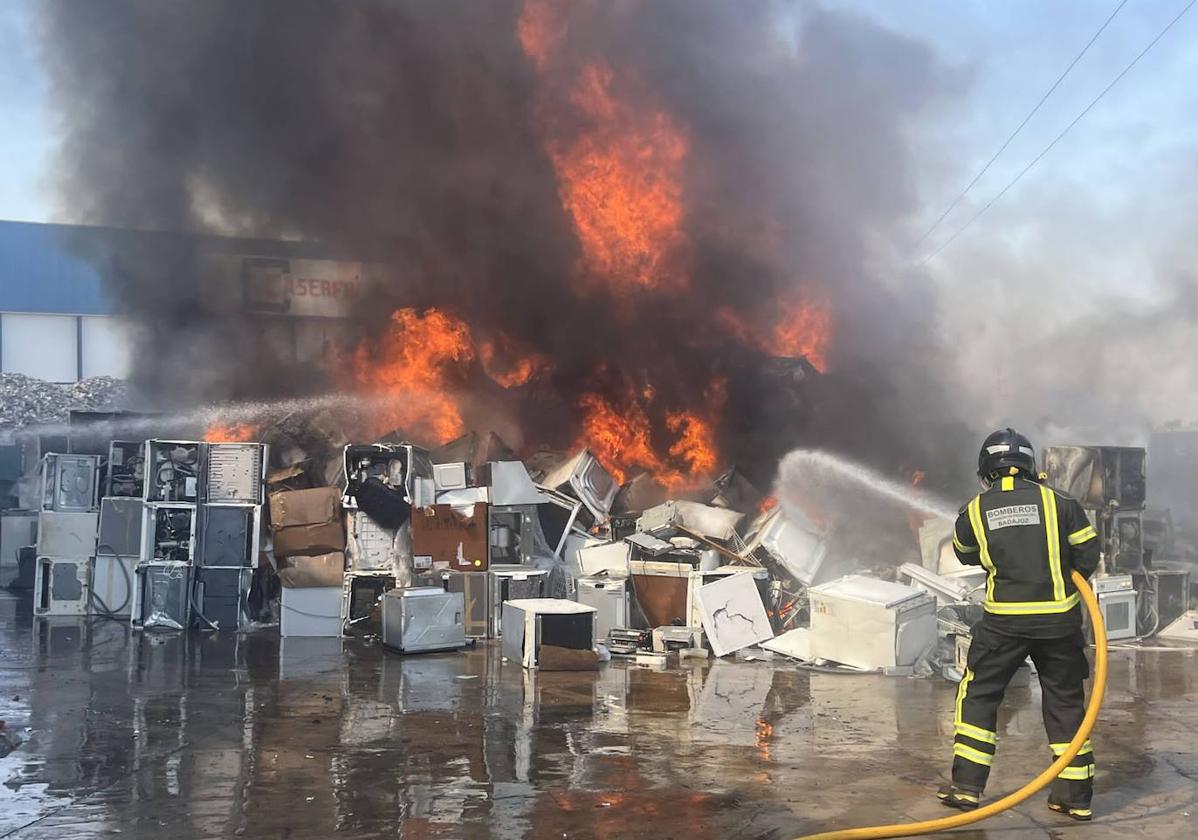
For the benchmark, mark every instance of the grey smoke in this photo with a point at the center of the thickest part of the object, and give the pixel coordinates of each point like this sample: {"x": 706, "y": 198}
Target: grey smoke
{"x": 403, "y": 132}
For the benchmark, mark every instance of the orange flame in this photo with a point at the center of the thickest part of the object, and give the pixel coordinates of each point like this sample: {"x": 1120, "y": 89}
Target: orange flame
{"x": 230, "y": 433}
{"x": 621, "y": 184}
{"x": 803, "y": 328}
{"x": 541, "y": 29}
{"x": 415, "y": 362}
{"x": 620, "y": 178}
{"x": 621, "y": 437}
{"x": 507, "y": 367}
{"x": 767, "y": 504}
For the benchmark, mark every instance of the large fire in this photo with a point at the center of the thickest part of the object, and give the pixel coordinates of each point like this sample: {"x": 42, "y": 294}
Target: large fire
{"x": 620, "y": 176}
{"x": 622, "y": 437}
{"x": 507, "y": 365}
{"x": 620, "y": 158}
{"x": 621, "y": 183}
{"x": 415, "y": 364}
{"x": 801, "y": 327}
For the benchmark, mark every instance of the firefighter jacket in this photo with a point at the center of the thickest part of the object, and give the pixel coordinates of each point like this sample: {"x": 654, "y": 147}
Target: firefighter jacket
{"x": 1029, "y": 538}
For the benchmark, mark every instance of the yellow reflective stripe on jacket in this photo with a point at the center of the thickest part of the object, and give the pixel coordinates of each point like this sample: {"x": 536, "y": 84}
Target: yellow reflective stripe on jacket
{"x": 979, "y": 534}
{"x": 1053, "y": 536}
{"x": 1059, "y": 749}
{"x": 1008, "y": 483}
{"x": 1031, "y": 607}
{"x": 1083, "y": 536}
{"x": 961, "y": 547}
{"x": 976, "y": 756}
{"x": 1077, "y": 774}
{"x": 976, "y": 733}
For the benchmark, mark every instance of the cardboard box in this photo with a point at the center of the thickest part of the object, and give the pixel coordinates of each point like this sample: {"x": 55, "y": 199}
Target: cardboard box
{"x": 443, "y": 539}
{"x": 309, "y": 572}
{"x": 307, "y": 522}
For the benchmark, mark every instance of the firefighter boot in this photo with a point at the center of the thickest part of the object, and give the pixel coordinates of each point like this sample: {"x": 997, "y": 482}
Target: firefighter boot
{"x": 961, "y": 798}
{"x": 1079, "y": 814}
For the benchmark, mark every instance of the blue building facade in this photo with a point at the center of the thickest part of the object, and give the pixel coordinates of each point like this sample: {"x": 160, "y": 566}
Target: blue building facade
{"x": 57, "y": 321}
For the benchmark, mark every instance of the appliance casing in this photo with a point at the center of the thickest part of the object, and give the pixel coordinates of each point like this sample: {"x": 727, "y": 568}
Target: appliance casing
{"x": 1117, "y": 600}
{"x": 234, "y": 472}
{"x": 419, "y": 619}
{"x": 869, "y": 623}
{"x": 512, "y": 583}
{"x": 609, "y": 597}
{"x": 60, "y": 586}
{"x": 530, "y": 624}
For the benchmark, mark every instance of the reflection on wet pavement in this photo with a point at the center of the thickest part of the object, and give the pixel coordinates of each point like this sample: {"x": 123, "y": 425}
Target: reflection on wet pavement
{"x": 241, "y": 736}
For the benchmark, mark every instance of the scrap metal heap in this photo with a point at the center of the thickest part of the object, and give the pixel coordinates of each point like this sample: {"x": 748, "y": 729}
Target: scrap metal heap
{"x": 432, "y": 549}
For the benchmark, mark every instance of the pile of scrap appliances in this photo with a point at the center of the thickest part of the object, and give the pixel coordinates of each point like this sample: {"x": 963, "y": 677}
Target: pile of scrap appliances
{"x": 439, "y": 550}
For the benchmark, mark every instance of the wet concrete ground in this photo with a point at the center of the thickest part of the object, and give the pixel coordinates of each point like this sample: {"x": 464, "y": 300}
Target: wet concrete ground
{"x": 143, "y": 736}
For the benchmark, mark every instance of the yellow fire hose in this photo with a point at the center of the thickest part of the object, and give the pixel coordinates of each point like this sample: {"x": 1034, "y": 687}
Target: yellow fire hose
{"x": 1036, "y": 784}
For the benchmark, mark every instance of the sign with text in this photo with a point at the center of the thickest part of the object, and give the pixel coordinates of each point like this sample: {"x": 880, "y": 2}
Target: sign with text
{"x": 301, "y": 287}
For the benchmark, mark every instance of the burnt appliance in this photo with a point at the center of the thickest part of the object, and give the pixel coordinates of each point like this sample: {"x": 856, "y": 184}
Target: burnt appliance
{"x": 162, "y": 597}
{"x": 609, "y": 597}
{"x": 1122, "y": 536}
{"x": 559, "y": 519}
{"x": 218, "y": 597}
{"x": 168, "y": 533}
{"x": 445, "y": 539}
{"x": 118, "y": 548}
{"x": 1099, "y": 477}
{"x": 369, "y": 546}
{"x": 173, "y": 470}
{"x": 228, "y": 536}
{"x": 360, "y": 596}
{"x": 18, "y": 529}
{"x": 1164, "y": 597}
{"x": 1116, "y": 596}
{"x": 69, "y": 535}
{"x": 60, "y": 586}
{"x": 234, "y": 472}
{"x": 120, "y": 526}
{"x": 531, "y": 627}
{"x": 584, "y": 478}
{"x": 394, "y": 466}
{"x": 511, "y": 534}
{"x": 113, "y": 578}
{"x": 421, "y": 619}
{"x": 476, "y": 591}
{"x": 126, "y": 469}
{"x": 70, "y": 483}
{"x": 512, "y": 583}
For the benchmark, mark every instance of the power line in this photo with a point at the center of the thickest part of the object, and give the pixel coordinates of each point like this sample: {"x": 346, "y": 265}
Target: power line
{"x": 1020, "y": 127}
{"x": 1057, "y": 139}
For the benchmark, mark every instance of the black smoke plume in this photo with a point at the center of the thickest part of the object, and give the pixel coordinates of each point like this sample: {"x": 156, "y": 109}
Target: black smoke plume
{"x": 412, "y": 134}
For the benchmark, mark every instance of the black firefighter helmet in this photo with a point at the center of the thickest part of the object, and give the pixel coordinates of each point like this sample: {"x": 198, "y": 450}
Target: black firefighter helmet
{"x": 1003, "y": 450}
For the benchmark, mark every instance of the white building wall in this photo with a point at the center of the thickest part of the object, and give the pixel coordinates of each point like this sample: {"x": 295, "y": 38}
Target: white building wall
{"x": 107, "y": 346}
{"x": 64, "y": 348}
{"x": 41, "y": 346}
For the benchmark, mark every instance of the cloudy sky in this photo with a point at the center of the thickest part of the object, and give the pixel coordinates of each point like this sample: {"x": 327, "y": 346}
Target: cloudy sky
{"x": 1102, "y": 224}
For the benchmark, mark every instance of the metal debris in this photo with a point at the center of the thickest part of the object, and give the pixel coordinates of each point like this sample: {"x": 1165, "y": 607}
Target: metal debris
{"x": 25, "y": 401}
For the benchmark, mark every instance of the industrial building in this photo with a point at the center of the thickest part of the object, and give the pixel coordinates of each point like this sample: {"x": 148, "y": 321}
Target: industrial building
{"x": 57, "y": 321}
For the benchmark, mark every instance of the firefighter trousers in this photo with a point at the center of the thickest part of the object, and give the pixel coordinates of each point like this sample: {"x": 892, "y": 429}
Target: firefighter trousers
{"x": 993, "y": 660}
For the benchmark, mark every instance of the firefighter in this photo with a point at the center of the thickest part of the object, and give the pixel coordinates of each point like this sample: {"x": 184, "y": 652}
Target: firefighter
{"x": 1028, "y": 537}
